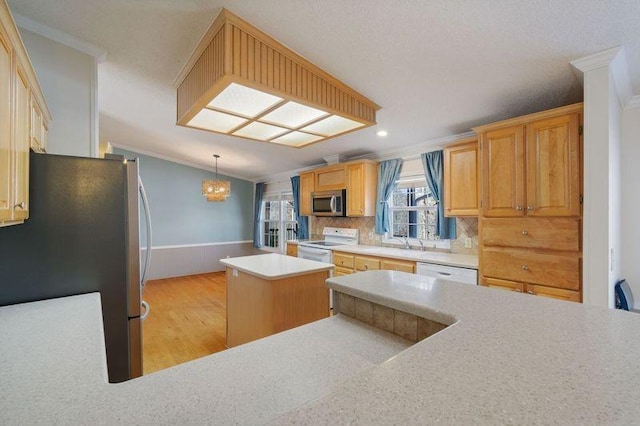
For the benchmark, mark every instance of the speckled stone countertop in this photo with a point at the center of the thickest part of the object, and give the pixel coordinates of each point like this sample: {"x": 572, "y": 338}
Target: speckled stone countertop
{"x": 506, "y": 358}
{"x": 469, "y": 261}
{"x": 275, "y": 266}
{"x": 53, "y": 371}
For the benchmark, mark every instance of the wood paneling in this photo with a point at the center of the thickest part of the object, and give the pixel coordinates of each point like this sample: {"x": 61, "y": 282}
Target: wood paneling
{"x": 542, "y": 233}
{"x": 235, "y": 50}
{"x": 187, "y": 320}
{"x": 461, "y": 179}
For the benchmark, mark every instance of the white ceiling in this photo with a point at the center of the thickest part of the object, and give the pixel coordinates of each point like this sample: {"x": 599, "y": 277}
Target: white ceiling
{"x": 437, "y": 68}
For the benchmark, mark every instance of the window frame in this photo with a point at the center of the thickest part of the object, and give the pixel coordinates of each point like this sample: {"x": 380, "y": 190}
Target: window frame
{"x": 388, "y": 238}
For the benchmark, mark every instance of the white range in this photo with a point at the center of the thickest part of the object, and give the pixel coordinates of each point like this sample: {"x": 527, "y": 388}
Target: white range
{"x": 320, "y": 250}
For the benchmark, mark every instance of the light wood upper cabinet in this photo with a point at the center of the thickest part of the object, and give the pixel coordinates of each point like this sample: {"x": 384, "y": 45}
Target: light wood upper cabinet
{"x": 306, "y": 188}
{"x": 362, "y": 180}
{"x": 533, "y": 166}
{"x": 502, "y": 153}
{"x": 21, "y": 145}
{"x": 6, "y": 151}
{"x": 461, "y": 179}
{"x": 359, "y": 178}
{"x": 553, "y": 175}
{"x": 330, "y": 178}
{"x": 24, "y": 119}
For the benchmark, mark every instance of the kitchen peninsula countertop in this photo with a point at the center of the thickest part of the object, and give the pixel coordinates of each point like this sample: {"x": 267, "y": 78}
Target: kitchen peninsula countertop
{"x": 504, "y": 358}
{"x": 275, "y": 266}
{"x": 469, "y": 261}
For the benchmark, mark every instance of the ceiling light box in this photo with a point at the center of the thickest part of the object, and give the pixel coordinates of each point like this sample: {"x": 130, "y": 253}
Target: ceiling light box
{"x": 241, "y": 82}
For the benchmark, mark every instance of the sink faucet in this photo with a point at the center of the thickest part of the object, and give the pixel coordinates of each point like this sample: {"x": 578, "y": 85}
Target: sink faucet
{"x": 404, "y": 241}
{"x": 421, "y": 244}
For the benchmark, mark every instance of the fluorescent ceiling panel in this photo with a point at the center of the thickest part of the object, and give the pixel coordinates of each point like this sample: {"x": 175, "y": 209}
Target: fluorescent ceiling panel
{"x": 243, "y": 100}
{"x": 216, "y": 121}
{"x": 296, "y": 139}
{"x": 260, "y": 131}
{"x": 332, "y": 126}
{"x": 293, "y": 114}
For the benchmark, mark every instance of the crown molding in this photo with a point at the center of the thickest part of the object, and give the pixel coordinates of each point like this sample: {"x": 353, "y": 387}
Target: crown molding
{"x": 164, "y": 157}
{"x": 616, "y": 59}
{"x": 61, "y": 37}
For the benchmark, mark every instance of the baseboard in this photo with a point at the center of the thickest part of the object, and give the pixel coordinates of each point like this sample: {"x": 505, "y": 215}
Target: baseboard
{"x": 177, "y": 261}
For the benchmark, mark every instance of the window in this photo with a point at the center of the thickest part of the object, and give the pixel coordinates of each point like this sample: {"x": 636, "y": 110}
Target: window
{"x": 278, "y": 221}
{"x": 413, "y": 212}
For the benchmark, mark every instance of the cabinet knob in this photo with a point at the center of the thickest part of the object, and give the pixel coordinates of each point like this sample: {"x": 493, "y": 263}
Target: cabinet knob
{"x": 525, "y": 232}
{"x": 530, "y": 208}
{"x": 20, "y": 205}
{"x": 519, "y": 208}
{"x": 366, "y": 266}
{"x": 530, "y": 292}
{"x": 525, "y": 267}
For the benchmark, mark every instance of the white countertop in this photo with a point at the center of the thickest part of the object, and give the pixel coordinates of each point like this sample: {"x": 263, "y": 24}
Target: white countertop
{"x": 506, "y": 358}
{"x": 53, "y": 371}
{"x": 275, "y": 266}
{"x": 469, "y": 261}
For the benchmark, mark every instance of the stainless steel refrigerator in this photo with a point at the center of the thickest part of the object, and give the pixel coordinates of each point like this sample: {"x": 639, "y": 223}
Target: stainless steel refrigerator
{"x": 83, "y": 235}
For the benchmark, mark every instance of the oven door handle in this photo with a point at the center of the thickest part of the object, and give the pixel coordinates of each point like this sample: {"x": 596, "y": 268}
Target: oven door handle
{"x": 308, "y": 249}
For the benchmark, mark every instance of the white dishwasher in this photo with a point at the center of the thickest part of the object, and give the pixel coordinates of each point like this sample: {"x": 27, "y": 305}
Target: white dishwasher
{"x": 451, "y": 273}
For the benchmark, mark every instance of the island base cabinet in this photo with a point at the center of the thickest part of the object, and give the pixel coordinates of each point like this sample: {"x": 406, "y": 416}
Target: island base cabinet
{"x": 258, "y": 307}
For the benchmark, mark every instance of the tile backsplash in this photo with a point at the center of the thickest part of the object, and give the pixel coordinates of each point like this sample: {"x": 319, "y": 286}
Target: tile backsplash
{"x": 467, "y": 227}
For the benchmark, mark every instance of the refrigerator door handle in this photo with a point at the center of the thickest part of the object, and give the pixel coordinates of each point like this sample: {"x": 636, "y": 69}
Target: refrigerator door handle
{"x": 146, "y": 307}
{"x": 147, "y": 213}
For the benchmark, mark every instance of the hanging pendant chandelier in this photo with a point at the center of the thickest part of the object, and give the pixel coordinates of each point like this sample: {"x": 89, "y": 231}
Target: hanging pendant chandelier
{"x": 216, "y": 190}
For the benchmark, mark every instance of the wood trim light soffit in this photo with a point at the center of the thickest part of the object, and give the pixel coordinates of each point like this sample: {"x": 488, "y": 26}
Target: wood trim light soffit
{"x": 241, "y": 82}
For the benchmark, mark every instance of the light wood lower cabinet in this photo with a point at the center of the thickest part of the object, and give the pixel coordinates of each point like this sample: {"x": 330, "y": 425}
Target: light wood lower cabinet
{"x": 536, "y": 290}
{"x": 292, "y": 250}
{"x": 347, "y": 263}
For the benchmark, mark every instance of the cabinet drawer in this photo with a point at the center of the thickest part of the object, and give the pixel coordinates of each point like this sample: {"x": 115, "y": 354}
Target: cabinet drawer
{"x": 502, "y": 284}
{"x": 544, "y": 233}
{"x": 555, "y": 270}
{"x": 338, "y": 271}
{"x": 366, "y": 263}
{"x": 398, "y": 265}
{"x": 344, "y": 260}
{"x": 554, "y": 293}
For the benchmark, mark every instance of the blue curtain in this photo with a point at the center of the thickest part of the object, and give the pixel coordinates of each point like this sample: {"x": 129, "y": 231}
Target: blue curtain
{"x": 303, "y": 221}
{"x": 388, "y": 173}
{"x": 434, "y": 172}
{"x": 257, "y": 235}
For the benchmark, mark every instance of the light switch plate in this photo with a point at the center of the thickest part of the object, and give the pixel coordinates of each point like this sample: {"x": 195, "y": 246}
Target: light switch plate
{"x": 467, "y": 242}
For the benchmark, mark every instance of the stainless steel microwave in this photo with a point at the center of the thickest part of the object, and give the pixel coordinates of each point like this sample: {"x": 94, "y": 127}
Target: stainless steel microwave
{"x": 329, "y": 203}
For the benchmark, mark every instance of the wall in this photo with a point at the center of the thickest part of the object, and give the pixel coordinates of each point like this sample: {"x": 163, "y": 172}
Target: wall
{"x": 68, "y": 80}
{"x": 630, "y": 253}
{"x": 190, "y": 234}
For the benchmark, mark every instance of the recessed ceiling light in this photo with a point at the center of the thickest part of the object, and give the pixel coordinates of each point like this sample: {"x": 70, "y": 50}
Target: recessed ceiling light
{"x": 382, "y": 133}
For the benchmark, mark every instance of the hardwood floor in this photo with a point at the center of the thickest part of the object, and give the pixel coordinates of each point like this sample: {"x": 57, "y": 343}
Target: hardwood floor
{"x": 187, "y": 320}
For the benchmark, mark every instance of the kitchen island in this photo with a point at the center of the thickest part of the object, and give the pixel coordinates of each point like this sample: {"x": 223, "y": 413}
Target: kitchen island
{"x": 502, "y": 358}
{"x": 270, "y": 293}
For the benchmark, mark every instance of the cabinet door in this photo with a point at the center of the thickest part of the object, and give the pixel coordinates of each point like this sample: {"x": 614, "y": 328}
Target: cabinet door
{"x": 355, "y": 189}
{"x": 398, "y": 265}
{"x": 461, "y": 180}
{"x": 330, "y": 178}
{"x": 306, "y": 188}
{"x": 6, "y": 174}
{"x": 503, "y": 172}
{"x": 554, "y": 293}
{"x": 36, "y": 126}
{"x": 21, "y": 145}
{"x": 553, "y": 167}
{"x": 292, "y": 250}
{"x": 502, "y": 284}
